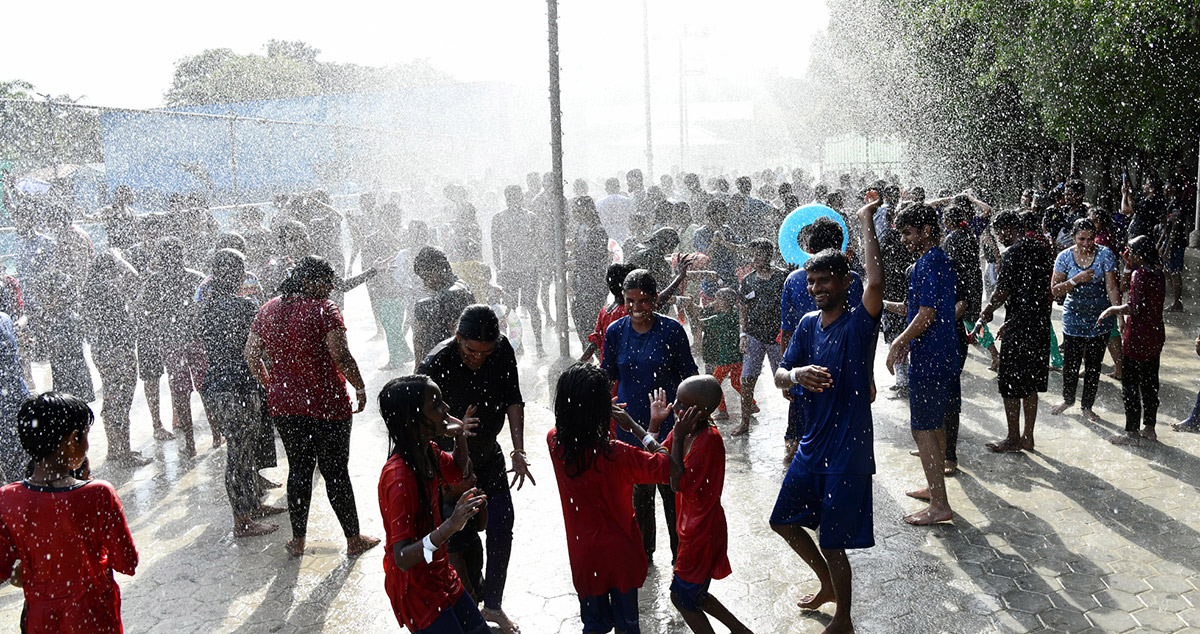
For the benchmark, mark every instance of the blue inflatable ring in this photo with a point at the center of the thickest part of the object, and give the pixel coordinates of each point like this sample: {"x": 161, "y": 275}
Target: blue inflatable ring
{"x": 789, "y": 231}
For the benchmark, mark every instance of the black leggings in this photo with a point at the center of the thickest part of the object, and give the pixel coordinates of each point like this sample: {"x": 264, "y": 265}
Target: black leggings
{"x": 1089, "y": 350}
{"x": 312, "y": 443}
{"x": 643, "y": 508}
{"x": 1139, "y": 390}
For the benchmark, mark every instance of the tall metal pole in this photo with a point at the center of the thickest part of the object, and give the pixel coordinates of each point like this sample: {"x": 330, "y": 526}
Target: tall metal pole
{"x": 556, "y": 192}
{"x": 646, "y": 81}
{"x": 682, "y": 107}
{"x": 233, "y": 155}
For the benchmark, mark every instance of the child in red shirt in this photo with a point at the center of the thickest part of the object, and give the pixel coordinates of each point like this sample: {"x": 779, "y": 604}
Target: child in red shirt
{"x": 610, "y": 313}
{"x": 424, "y": 589}
{"x": 595, "y": 476}
{"x": 700, "y": 519}
{"x": 68, "y": 534}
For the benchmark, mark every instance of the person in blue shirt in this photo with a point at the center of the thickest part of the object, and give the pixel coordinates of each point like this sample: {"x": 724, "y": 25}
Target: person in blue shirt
{"x": 828, "y": 485}
{"x": 643, "y": 352}
{"x": 721, "y": 244}
{"x": 796, "y": 303}
{"x": 931, "y": 342}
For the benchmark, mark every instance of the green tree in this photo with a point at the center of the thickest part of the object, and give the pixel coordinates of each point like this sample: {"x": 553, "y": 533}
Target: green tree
{"x": 38, "y": 134}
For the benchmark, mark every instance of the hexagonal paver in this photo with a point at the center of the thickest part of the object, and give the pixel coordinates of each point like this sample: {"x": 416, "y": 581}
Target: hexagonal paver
{"x": 1169, "y": 583}
{"x": 1029, "y": 602}
{"x": 1006, "y": 568}
{"x": 1118, "y": 600}
{"x": 1111, "y": 620}
{"x": 1125, "y": 583}
{"x": 1061, "y": 620}
{"x": 1158, "y": 621}
{"x": 1081, "y": 583}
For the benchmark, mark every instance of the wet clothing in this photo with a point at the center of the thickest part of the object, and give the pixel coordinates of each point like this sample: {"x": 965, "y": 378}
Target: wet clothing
{"x": 1025, "y": 270}
{"x": 724, "y": 260}
{"x": 169, "y": 307}
{"x": 312, "y": 443}
{"x": 238, "y": 416}
{"x": 761, "y": 300}
{"x": 304, "y": 379}
{"x": 69, "y": 540}
{"x": 1148, "y": 213}
{"x": 934, "y": 358}
{"x": 422, "y": 593}
{"x": 700, "y": 518}
{"x": 607, "y": 316}
{"x": 836, "y": 505}
{"x": 1144, "y": 334}
{"x": 963, "y": 248}
{"x": 720, "y": 345}
{"x": 1086, "y": 301}
{"x": 643, "y": 362}
{"x": 223, "y": 326}
{"x": 796, "y": 302}
{"x": 514, "y": 240}
{"x": 604, "y": 543}
{"x": 438, "y": 315}
{"x": 13, "y": 393}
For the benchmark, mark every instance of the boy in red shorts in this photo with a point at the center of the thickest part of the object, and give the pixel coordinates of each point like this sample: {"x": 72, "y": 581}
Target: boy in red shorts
{"x": 700, "y": 519}
{"x": 68, "y": 533}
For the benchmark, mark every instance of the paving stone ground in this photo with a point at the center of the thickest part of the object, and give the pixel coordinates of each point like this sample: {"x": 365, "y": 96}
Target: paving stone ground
{"x": 1079, "y": 536}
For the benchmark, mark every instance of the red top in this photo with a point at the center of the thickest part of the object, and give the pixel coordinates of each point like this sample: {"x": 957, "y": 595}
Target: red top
{"x": 604, "y": 543}
{"x": 304, "y": 379}
{"x": 1144, "y": 335}
{"x": 422, "y": 593}
{"x": 69, "y": 542}
{"x": 699, "y": 517}
{"x": 603, "y": 320}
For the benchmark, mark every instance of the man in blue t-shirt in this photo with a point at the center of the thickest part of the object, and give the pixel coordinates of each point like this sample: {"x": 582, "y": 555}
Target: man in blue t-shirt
{"x": 931, "y": 342}
{"x": 796, "y": 303}
{"x": 828, "y": 486}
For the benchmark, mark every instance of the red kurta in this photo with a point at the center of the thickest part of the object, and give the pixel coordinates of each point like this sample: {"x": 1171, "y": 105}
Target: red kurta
{"x": 699, "y": 517}
{"x": 604, "y": 543}
{"x": 69, "y": 542}
{"x": 421, "y": 594}
{"x": 304, "y": 379}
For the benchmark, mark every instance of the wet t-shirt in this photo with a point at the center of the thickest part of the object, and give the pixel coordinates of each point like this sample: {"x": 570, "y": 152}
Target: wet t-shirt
{"x": 168, "y": 305}
{"x": 724, "y": 260}
{"x": 643, "y": 362}
{"x": 492, "y": 389}
{"x": 963, "y": 248}
{"x": 304, "y": 379}
{"x": 1144, "y": 334}
{"x": 700, "y": 518}
{"x": 419, "y": 595}
{"x": 1086, "y": 301}
{"x": 69, "y": 541}
{"x": 604, "y": 543}
{"x": 223, "y": 326}
{"x": 761, "y": 299}
{"x": 933, "y": 282}
{"x": 838, "y": 433}
{"x": 1025, "y": 270}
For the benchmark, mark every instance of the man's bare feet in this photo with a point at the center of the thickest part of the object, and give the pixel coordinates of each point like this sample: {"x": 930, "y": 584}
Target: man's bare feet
{"x": 790, "y": 447}
{"x": 1149, "y": 434}
{"x": 360, "y": 544}
{"x": 1006, "y": 446}
{"x": 815, "y": 600}
{"x": 1091, "y": 415}
{"x": 160, "y": 433}
{"x": 741, "y": 430}
{"x": 129, "y": 460}
{"x": 1177, "y": 307}
{"x": 950, "y": 468}
{"x": 721, "y": 415}
{"x": 1027, "y": 443}
{"x": 1060, "y": 408}
{"x": 188, "y": 450}
{"x": 501, "y": 620}
{"x": 294, "y": 546}
{"x": 1128, "y": 440}
{"x": 918, "y": 494}
{"x": 265, "y": 510}
{"x": 245, "y": 527}
{"x": 929, "y": 516}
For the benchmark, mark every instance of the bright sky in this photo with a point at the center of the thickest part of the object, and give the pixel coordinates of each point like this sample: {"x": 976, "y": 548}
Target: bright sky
{"x": 123, "y": 53}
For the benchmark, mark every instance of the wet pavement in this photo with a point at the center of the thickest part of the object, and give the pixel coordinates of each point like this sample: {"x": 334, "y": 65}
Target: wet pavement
{"x": 1077, "y": 536}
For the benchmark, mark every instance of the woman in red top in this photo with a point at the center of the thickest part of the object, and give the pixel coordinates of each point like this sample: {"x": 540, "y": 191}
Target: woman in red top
{"x": 595, "y": 477}
{"x": 302, "y": 334}
{"x": 610, "y": 313}
{"x": 1144, "y": 337}
{"x": 425, "y": 591}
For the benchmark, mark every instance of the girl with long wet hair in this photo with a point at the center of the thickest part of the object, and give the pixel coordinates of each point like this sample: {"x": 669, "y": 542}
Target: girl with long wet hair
{"x": 426, "y": 593}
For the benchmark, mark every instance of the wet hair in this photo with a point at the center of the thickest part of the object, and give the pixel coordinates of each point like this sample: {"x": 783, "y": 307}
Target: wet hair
{"x": 1007, "y": 220}
{"x": 310, "y": 268}
{"x": 956, "y": 216}
{"x": 825, "y": 233}
{"x": 717, "y": 210}
{"x": 228, "y": 271}
{"x": 45, "y": 420}
{"x": 727, "y": 294}
{"x": 1029, "y": 221}
{"x": 820, "y": 191}
{"x": 664, "y": 212}
{"x": 641, "y": 280}
{"x": 666, "y": 239}
{"x": 514, "y": 196}
{"x": 616, "y": 278}
{"x": 169, "y": 251}
{"x": 582, "y": 411}
{"x": 612, "y": 185}
{"x": 744, "y": 184}
{"x": 400, "y": 403}
{"x": 431, "y": 260}
{"x": 586, "y": 207}
{"x": 287, "y": 229}
{"x": 1083, "y": 224}
{"x": 1075, "y": 186}
{"x": 831, "y": 261}
{"x": 479, "y": 323}
{"x": 231, "y": 240}
{"x": 916, "y": 216}
{"x": 762, "y": 244}
{"x": 1143, "y": 247}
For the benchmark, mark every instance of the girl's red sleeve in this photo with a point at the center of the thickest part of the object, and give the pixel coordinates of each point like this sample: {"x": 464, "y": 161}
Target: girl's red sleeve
{"x": 643, "y": 467}
{"x": 122, "y": 554}
{"x": 451, "y": 474}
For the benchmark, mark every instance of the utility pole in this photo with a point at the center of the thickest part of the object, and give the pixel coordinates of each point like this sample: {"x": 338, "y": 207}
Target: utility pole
{"x": 556, "y": 192}
{"x": 646, "y": 81}
{"x": 233, "y": 155}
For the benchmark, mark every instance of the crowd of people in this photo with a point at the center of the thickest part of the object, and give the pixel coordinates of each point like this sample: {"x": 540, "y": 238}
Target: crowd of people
{"x": 250, "y": 317}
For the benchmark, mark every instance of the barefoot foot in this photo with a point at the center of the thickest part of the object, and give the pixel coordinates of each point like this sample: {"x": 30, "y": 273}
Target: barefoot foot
{"x": 267, "y": 484}
{"x": 1027, "y": 443}
{"x": 266, "y": 510}
{"x": 162, "y": 434}
{"x": 721, "y": 415}
{"x": 741, "y": 430}
{"x": 950, "y": 468}
{"x": 929, "y": 516}
{"x": 294, "y": 547}
{"x": 501, "y": 620}
{"x": 360, "y": 544}
{"x": 918, "y": 494}
{"x": 815, "y": 600}
{"x": 1149, "y": 434}
{"x": 1060, "y": 408}
{"x": 1005, "y": 446}
{"x": 1091, "y": 415}
{"x": 245, "y": 527}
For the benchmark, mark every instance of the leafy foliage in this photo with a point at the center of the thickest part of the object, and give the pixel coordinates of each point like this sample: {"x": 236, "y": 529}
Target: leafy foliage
{"x": 37, "y": 134}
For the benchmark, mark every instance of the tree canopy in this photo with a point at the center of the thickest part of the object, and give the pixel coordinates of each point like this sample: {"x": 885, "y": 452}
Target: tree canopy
{"x": 37, "y": 134}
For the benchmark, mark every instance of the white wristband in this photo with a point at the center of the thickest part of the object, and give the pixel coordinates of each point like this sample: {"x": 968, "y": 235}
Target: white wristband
{"x": 647, "y": 439}
{"x": 794, "y": 375}
{"x": 427, "y": 545}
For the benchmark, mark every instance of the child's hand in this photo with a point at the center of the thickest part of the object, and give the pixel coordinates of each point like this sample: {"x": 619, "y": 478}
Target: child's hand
{"x": 18, "y": 575}
{"x": 1106, "y": 313}
{"x": 813, "y": 378}
{"x": 468, "y": 505}
{"x": 624, "y": 420}
{"x": 465, "y": 427}
{"x": 660, "y": 409}
{"x": 687, "y": 421}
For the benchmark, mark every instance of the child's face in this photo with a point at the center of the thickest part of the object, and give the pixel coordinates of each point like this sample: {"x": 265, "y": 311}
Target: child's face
{"x": 435, "y": 411}
{"x": 720, "y": 304}
{"x": 75, "y": 448}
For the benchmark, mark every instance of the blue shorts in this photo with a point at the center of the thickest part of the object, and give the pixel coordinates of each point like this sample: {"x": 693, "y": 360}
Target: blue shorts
{"x": 462, "y": 618}
{"x": 837, "y": 505}
{"x": 613, "y": 610}
{"x": 1175, "y": 261}
{"x": 929, "y": 400}
{"x": 689, "y": 595}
